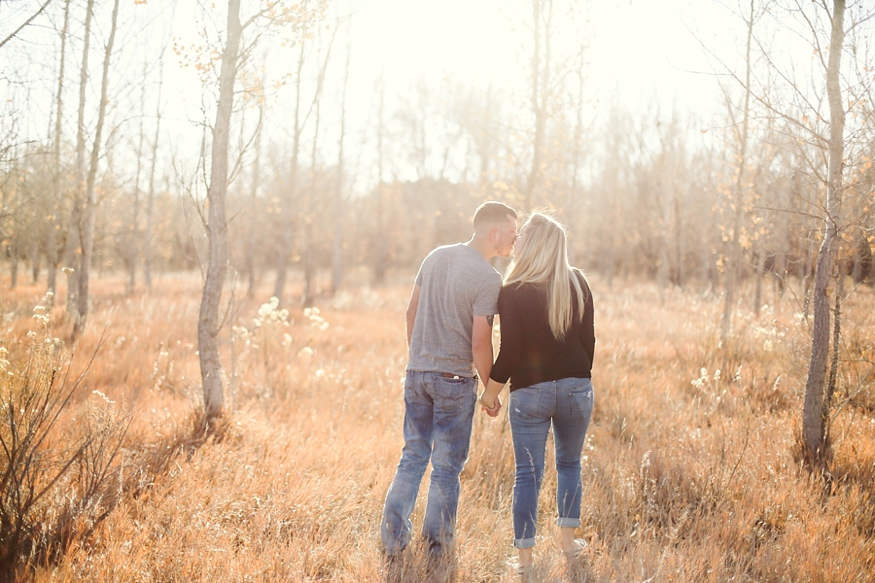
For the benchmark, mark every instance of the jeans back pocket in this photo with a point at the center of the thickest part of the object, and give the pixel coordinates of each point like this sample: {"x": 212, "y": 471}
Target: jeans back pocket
{"x": 581, "y": 401}
{"x": 525, "y": 402}
{"x": 453, "y": 394}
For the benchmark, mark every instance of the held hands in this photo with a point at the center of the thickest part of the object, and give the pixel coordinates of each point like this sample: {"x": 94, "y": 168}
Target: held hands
{"x": 489, "y": 400}
{"x": 490, "y": 405}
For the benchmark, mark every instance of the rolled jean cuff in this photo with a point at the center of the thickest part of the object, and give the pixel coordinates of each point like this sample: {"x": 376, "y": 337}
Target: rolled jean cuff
{"x": 567, "y": 522}
{"x": 523, "y": 543}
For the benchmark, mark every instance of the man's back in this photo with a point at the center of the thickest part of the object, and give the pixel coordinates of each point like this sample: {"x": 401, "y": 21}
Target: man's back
{"x": 457, "y": 283}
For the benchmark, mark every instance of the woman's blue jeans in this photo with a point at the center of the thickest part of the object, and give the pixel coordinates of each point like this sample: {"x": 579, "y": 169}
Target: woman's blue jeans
{"x": 565, "y": 404}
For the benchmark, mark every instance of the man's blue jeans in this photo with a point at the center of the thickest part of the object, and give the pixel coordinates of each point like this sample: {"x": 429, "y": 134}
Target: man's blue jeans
{"x": 567, "y": 405}
{"x": 438, "y": 414}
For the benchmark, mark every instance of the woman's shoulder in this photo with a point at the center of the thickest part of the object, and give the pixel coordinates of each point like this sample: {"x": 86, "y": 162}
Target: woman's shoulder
{"x": 518, "y": 287}
{"x": 581, "y": 276}
{"x": 510, "y": 289}
{"x": 526, "y": 296}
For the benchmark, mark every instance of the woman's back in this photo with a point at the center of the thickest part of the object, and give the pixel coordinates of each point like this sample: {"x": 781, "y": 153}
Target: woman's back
{"x": 530, "y": 353}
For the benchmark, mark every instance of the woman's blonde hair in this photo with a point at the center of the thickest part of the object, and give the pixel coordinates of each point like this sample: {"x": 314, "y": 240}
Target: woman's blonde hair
{"x": 543, "y": 260}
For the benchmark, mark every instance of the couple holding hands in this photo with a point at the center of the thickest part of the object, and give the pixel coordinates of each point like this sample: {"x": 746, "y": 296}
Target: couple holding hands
{"x": 547, "y": 344}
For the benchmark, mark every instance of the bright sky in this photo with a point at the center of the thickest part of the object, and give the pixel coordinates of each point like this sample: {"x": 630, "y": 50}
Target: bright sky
{"x": 640, "y": 51}
{"x": 638, "y": 48}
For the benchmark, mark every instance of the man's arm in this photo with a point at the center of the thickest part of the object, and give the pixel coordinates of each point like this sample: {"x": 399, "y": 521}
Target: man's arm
{"x": 412, "y": 306}
{"x": 481, "y": 345}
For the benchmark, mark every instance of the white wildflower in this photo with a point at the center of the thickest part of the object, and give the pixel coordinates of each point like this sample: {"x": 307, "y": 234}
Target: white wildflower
{"x": 103, "y": 396}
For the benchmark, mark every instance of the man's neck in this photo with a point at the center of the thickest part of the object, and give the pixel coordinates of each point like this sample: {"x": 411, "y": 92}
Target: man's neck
{"x": 482, "y": 246}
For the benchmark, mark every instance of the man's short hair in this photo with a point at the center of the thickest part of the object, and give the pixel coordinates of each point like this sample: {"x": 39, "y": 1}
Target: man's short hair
{"x": 492, "y": 212}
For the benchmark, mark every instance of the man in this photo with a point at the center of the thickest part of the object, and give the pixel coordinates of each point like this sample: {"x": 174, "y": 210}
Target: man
{"x": 449, "y": 335}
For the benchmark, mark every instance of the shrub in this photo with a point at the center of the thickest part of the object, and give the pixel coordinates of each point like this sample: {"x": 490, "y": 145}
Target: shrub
{"x": 56, "y": 463}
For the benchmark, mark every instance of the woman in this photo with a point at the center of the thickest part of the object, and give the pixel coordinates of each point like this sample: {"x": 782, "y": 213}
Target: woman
{"x": 547, "y": 343}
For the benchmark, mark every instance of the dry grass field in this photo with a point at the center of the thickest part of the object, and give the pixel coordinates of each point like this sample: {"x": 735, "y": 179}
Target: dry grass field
{"x": 689, "y": 472}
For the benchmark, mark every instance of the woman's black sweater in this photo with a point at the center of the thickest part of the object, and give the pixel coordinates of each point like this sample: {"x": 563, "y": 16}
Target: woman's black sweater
{"x": 530, "y": 354}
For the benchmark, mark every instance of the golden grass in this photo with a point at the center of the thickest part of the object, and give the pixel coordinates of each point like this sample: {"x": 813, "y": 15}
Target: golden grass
{"x": 689, "y": 473}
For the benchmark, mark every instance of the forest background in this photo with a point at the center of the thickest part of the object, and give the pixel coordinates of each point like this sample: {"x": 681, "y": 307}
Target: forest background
{"x": 269, "y": 140}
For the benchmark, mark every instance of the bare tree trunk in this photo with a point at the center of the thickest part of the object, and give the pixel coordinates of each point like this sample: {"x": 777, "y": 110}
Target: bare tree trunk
{"x": 735, "y": 248}
{"x": 857, "y": 265}
{"x": 217, "y": 227}
{"x": 540, "y": 88}
{"x": 52, "y": 244}
{"x": 681, "y": 240}
{"x": 73, "y": 252}
{"x": 13, "y": 267}
{"x": 337, "y": 245}
{"x": 662, "y": 270}
{"x": 781, "y": 274}
{"x": 761, "y": 269}
{"x": 150, "y": 201}
{"x": 612, "y": 236}
{"x": 578, "y": 147}
{"x": 381, "y": 246}
{"x": 253, "y": 199}
{"x": 815, "y": 412}
{"x": 309, "y": 264}
{"x": 90, "y": 194}
{"x": 309, "y": 261}
{"x": 286, "y": 210}
{"x": 133, "y": 249}
{"x": 35, "y": 255}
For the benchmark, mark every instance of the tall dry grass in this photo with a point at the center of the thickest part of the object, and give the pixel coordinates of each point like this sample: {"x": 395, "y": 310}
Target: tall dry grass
{"x": 689, "y": 472}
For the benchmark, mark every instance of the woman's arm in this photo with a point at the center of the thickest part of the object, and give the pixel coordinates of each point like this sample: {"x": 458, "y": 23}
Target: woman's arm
{"x": 511, "y": 336}
{"x": 587, "y": 329}
{"x": 508, "y": 355}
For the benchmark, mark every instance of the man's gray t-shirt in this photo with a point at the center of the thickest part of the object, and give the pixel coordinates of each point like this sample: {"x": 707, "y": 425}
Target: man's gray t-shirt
{"x": 457, "y": 284}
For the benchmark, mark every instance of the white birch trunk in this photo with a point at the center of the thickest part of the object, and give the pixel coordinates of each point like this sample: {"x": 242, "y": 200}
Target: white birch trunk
{"x": 217, "y": 226}
{"x": 815, "y": 408}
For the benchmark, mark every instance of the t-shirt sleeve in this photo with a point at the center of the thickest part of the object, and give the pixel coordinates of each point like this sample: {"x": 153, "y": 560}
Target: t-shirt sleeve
{"x": 486, "y": 298}
{"x": 511, "y": 338}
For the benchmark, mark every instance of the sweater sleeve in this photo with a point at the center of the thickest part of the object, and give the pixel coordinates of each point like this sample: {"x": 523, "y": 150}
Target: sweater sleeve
{"x": 587, "y": 328}
{"x": 511, "y": 337}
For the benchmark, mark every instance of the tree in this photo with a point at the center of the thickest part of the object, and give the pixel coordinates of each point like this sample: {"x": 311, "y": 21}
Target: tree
{"x": 309, "y": 260}
{"x": 253, "y": 192}
{"x": 54, "y": 225}
{"x": 296, "y": 15}
{"x": 820, "y": 147}
{"x": 337, "y": 244}
{"x": 150, "y": 200}
{"x": 90, "y": 216}
{"x": 286, "y": 226}
{"x": 542, "y": 21}
{"x": 74, "y": 225}
{"x": 217, "y": 261}
{"x": 734, "y": 254}
{"x": 27, "y": 22}
{"x": 815, "y": 412}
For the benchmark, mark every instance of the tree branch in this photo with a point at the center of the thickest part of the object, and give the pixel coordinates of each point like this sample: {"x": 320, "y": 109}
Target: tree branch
{"x": 26, "y": 22}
